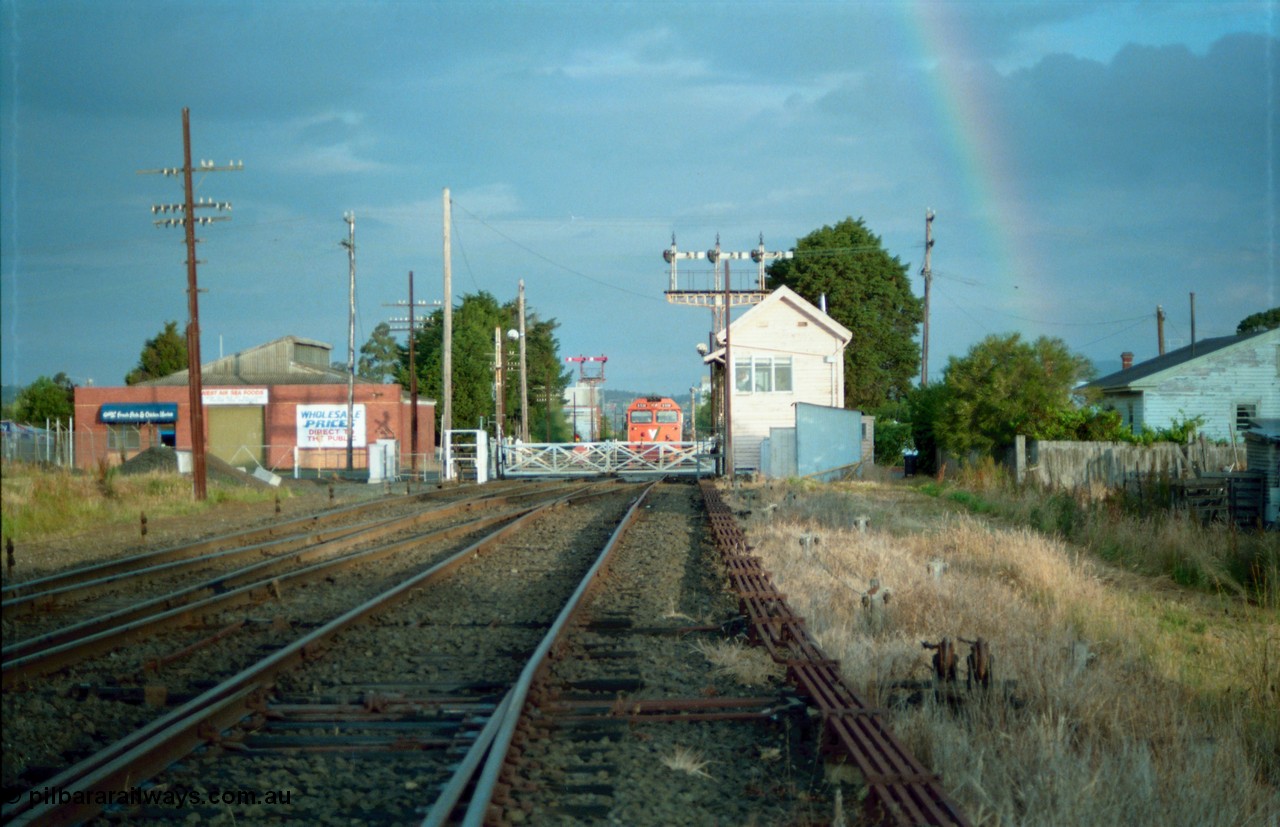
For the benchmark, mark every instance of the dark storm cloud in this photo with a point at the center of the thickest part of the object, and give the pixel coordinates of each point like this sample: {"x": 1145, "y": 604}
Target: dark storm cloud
{"x": 1151, "y": 115}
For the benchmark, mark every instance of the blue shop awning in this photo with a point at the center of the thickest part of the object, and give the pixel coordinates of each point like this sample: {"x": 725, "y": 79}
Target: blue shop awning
{"x": 138, "y": 413}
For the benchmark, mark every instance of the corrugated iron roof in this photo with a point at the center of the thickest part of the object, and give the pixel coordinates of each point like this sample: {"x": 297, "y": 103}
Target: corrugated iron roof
{"x": 1140, "y": 371}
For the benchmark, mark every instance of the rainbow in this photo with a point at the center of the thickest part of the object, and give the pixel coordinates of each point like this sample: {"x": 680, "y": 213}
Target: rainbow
{"x": 960, "y": 96}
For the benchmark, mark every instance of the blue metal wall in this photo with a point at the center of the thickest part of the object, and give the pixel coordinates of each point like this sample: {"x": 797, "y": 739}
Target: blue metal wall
{"x": 828, "y": 440}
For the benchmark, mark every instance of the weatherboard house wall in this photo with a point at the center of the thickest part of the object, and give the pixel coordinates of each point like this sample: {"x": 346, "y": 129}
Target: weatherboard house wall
{"x": 783, "y": 326}
{"x": 1226, "y": 381}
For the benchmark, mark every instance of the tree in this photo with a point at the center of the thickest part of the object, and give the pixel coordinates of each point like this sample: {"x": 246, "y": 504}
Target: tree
{"x": 867, "y": 291}
{"x": 380, "y": 357}
{"x": 45, "y": 399}
{"x": 473, "y": 364}
{"x": 1263, "y": 320}
{"x": 1004, "y": 387}
{"x": 162, "y": 355}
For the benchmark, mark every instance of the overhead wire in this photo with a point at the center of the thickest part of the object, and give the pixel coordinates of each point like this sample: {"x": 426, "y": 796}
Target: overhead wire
{"x": 552, "y": 262}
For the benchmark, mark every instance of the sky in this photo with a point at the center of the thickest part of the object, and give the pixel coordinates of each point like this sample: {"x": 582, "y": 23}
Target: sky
{"x": 1086, "y": 163}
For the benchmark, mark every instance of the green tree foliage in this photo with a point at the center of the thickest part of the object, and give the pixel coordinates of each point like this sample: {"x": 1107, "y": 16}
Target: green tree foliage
{"x": 1264, "y": 320}
{"x": 45, "y": 399}
{"x": 868, "y": 292}
{"x": 162, "y": 355}
{"x": 380, "y": 357}
{"x": 893, "y": 432}
{"x": 474, "y": 321}
{"x": 924, "y": 407}
{"x": 1004, "y": 387}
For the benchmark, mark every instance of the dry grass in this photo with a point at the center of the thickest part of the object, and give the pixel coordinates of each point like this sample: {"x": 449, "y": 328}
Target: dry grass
{"x": 38, "y": 504}
{"x": 1172, "y": 718}
{"x": 687, "y": 760}
{"x": 747, "y": 665}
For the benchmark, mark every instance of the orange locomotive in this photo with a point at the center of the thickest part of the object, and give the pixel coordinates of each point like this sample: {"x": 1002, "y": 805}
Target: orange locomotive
{"x": 654, "y": 419}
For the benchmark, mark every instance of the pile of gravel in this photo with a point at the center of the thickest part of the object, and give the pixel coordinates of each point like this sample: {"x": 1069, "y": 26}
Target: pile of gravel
{"x": 163, "y": 459}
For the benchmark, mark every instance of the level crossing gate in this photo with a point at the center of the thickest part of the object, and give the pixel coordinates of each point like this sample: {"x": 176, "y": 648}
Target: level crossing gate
{"x": 597, "y": 458}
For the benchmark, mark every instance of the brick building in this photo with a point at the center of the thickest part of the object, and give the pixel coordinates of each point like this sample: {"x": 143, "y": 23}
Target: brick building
{"x": 279, "y": 405}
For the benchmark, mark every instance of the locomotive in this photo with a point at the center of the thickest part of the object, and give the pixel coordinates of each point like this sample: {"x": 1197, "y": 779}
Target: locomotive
{"x": 654, "y": 419}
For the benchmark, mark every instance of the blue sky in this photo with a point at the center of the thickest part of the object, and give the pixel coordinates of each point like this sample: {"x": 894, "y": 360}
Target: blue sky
{"x": 1086, "y": 162}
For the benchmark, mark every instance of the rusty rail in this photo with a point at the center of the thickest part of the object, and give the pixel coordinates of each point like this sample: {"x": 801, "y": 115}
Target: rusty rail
{"x": 146, "y": 751}
{"x": 901, "y": 791}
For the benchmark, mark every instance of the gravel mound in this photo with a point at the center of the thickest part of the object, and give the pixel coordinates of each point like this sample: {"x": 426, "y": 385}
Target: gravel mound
{"x": 163, "y": 459}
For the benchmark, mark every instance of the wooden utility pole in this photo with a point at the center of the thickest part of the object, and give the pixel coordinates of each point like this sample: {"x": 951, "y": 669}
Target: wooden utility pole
{"x": 927, "y": 272}
{"x": 499, "y": 406}
{"x": 728, "y": 380}
{"x": 350, "y": 244}
{"x": 188, "y": 221}
{"x": 1160, "y": 328}
{"x": 524, "y": 371}
{"x": 446, "y": 367}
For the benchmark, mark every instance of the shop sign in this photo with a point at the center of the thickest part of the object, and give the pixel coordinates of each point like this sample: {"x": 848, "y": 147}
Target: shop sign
{"x": 234, "y": 396}
{"x": 138, "y": 413}
{"x": 325, "y": 426}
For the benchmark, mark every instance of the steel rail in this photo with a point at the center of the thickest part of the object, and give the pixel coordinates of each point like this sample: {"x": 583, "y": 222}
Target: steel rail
{"x": 901, "y": 791}
{"x": 141, "y": 754}
{"x": 51, "y": 658}
{"x": 228, "y": 580}
{"x": 486, "y": 776}
{"x": 96, "y": 571}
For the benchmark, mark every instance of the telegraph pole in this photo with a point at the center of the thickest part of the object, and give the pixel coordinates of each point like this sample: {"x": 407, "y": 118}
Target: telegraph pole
{"x": 729, "y": 380}
{"x": 446, "y": 368}
{"x": 1160, "y": 328}
{"x": 927, "y": 272}
{"x": 524, "y": 371}
{"x": 350, "y": 244}
{"x": 412, "y": 328}
{"x": 188, "y": 221}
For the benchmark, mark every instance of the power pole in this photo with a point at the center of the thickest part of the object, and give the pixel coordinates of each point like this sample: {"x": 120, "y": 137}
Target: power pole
{"x": 524, "y": 370}
{"x": 411, "y": 326}
{"x": 446, "y": 368}
{"x": 1160, "y": 328}
{"x": 728, "y": 379}
{"x": 188, "y": 221}
{"x": 499, "y": 408}
{"x": 927, "y": 272}
{"x": 350, "y": 244}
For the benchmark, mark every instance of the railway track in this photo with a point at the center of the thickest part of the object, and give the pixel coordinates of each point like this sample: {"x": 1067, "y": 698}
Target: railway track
{"x": 571, "y": 661}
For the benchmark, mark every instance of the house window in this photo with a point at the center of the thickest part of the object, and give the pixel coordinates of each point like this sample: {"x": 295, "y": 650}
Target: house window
{"x": 762, "y": 374}
{"x": 123, "y": 438}
{"x": 1245, "y": 412}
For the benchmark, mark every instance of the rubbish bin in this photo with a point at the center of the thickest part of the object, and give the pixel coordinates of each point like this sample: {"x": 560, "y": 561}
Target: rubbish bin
{"x": 908, "y": 465}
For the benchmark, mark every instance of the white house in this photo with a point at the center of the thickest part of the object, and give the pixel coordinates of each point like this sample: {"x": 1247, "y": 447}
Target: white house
{"x": 1229, "y": 381}
{"x": 784, "y": 350}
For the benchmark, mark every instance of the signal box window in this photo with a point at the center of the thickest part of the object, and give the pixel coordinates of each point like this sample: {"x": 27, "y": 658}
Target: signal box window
{"x": 763, "y": 374}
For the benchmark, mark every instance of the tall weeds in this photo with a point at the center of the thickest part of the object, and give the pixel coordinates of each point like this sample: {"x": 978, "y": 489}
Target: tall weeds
{"x": 37, "y": 503}
{"x": 1119, "y": 698}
